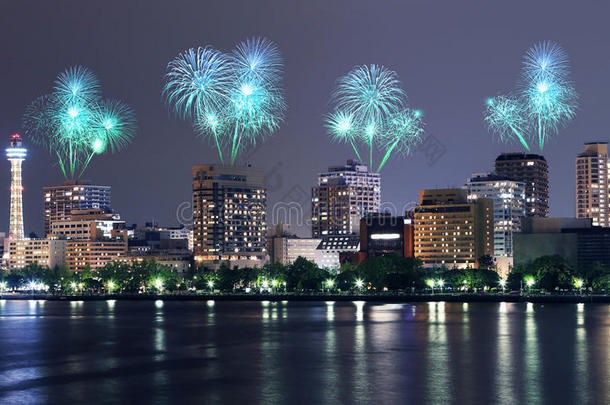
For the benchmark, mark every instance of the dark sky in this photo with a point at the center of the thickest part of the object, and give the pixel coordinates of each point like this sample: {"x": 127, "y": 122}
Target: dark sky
{"x": 450, "y": 55}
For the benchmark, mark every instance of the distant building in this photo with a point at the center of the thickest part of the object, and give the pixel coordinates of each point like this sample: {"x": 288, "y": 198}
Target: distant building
{"x": 532, "y": 170}
{"x": 343, "y": 195}
{"x": 60, "y": 201}
{"x": 93, "y": 253}
{"x": 90, "y": 224}
{"x": 331, "y": 247}
{"x": 593, "y": 184}
{"x": 451, "y": 231}
{"x": 382, "y": 235}
{"x": 182, "y": 262}
{"x": 45, "y": 252}
{"x": 576, "y": 240}
{"x": 508, "y": 198}
{"x": 229, "y": 215}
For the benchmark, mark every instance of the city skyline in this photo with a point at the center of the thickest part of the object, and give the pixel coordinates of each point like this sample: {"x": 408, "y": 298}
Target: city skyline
{"x": 455, "y": 120}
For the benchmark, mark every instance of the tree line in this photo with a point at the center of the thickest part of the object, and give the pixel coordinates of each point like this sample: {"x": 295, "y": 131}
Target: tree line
{"x": 383, "y": 273}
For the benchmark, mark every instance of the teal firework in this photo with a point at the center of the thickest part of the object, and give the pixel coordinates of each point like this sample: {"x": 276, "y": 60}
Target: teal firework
{"x": 75, "y": 123}
{"x": 370, "y": 108}
{"x": 545, "y": 100}
{"x": 234, "y": 99}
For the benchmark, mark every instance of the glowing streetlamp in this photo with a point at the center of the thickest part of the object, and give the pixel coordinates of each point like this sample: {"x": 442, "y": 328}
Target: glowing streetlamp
{"x": 110, "y": 286}
{"x": 2, "y": 286}
{"x": 578, "y": 283}
{"x": 430, "y": 282}
{"x": 502, "y": 284}
{"x": 529, "y": 282}
{"x": 440, "y": 283}
{"x": 359, "y": 283}
{"x": 210, "y": 284}
{"x": 158, "y": 283}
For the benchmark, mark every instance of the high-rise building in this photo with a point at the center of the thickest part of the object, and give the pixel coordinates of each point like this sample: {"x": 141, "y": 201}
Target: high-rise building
{"x": 508, "y": 198}
{"x": 344, "y": 194}
{"x": 533, "y": 172}
{"x": 451, "y": 231}
{"x": 593, "y": 184}
{"x": 59, "y": 201}
{"x": 229, "y": 215}
{"x": 16, "y": 154}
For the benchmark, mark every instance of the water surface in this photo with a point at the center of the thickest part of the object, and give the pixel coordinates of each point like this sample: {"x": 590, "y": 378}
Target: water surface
{"x": 303, "y": 352}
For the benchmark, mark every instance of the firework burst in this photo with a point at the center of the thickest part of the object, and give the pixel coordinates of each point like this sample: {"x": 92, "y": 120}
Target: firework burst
{"x": 75, "y": 123}
{"x": 370, "y": 108}
{"x": 545, "y": 101}
{"x": 236, "y": 99}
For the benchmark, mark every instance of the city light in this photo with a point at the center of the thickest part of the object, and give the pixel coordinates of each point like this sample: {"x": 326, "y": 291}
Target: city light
{"x": 330, "y": 283}
{"x": 158, "y": 283}
{"x": 359, "y": 283}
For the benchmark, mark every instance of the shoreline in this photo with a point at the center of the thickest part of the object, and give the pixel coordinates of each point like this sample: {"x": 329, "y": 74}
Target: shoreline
{"x": 401, "y": 298}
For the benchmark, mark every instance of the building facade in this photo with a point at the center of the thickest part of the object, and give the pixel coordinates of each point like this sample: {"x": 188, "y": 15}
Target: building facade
{"x": 45, "y": 252}
{"x": 576, "y": 240}
{"x": 344, "y": 194}
{"x": 508, "y": 198}
{"x": 593, "y": 184}
{"x": 451, "y": 231}
{"x": 91, "y": 224}
{"x": 332, "y": 247}
{"x": 533, "y": 171}
{"x": 229, "y": 215}
{"x": 94, "y": 254}
{"x": 59, "y": 201}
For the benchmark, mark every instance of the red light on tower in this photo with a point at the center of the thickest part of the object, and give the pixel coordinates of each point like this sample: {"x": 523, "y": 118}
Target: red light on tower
{"x": 15, "y": 136}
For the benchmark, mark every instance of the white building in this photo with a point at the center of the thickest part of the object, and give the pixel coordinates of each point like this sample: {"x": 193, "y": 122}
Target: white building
{"x": 330, "y": 247}
{"x": 286, "y": 250}
{"x": 593, "y": 184}
{"x": 509, "y": 207}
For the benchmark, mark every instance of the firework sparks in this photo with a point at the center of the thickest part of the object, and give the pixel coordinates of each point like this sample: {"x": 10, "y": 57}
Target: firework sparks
{"x": 546, "y": 99}
{"x": 75, "y": 124}
{"x": 236, "y": 99}
{"x": 370, "y": 108}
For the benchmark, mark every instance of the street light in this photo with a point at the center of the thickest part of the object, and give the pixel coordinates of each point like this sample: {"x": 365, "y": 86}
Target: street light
{"x": 329, "y": 284}
{"x": 502, "y": 284}
{"x": 529, "y": 282}
{"x": 2, "y": 286}
{"x": 430, "y": 283}
{"x": 211, "y": 284}
{"x": 578, "y": 283}
{"x": 441, "y": 283}
{"x": 110, "y": 285}
{"x": 158, "y": 283}
{"x": 359, "y": 283}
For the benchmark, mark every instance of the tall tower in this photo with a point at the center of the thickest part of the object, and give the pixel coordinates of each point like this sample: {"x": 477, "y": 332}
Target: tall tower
{"x": 593, "y": 184}
{"x": 533, "y": 171}
{"x": 16, "y": 154}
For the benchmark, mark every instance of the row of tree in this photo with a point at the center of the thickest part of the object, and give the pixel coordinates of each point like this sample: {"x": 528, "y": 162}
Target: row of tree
{"x": 384, "y": 273}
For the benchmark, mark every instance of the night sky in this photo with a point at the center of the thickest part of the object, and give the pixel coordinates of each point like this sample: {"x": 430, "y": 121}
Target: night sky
{"x": 450, "y": 56}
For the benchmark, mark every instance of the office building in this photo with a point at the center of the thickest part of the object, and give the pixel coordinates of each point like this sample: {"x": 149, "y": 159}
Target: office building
{"x": 576, "y": 240}
{"x": 331, "y": 248}
{"x": 451, "y": 231}
{"x": 94, "y": 254}
{"x": 382, "y": 235}
{"x": 344, "y": 194}
{"x": 16, "y": 154}
{"x": 91, "y": 224}
{"x": 508, "y": 198}
{"x": 229, "y": 215}
{"x": 593, "y": 184}
{"x": 60, "y": 201}
{"x": 531, "y": 170}
{"x": 44, "y": 252}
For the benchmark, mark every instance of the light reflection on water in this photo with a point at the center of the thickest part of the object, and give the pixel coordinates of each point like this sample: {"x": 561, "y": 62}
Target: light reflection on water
{"x": 314, "y": 352}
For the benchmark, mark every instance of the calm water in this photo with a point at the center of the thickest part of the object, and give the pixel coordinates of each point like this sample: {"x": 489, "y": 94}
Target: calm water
{"x": 315, "y": 353}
